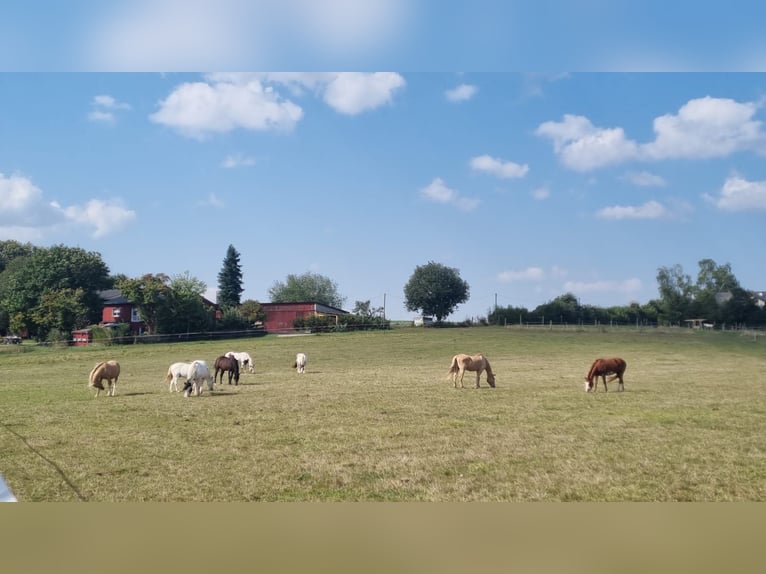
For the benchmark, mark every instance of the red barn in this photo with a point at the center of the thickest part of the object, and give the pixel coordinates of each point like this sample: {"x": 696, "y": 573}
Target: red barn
{"x": 280, "y": 316}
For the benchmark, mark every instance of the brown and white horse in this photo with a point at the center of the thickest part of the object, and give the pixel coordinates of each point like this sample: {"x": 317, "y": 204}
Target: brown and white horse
{"x": 603, "y": 367}
{"x": 462, "y": 363}
{"x": 109, "y": 370}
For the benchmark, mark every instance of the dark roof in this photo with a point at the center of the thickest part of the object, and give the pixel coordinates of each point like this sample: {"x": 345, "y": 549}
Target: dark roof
{"x": 318, "y": 306}
{"x": 113, "y": 297}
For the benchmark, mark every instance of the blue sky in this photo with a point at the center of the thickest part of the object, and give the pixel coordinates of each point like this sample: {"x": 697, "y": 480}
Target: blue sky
{"x": 531, "y": 185}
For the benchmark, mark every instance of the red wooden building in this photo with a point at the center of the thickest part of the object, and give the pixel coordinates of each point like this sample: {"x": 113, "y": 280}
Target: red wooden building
{"x": 117, "y": 309}
{"x": 280, "y": 316}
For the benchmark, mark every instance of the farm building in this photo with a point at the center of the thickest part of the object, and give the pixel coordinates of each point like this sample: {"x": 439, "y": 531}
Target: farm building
{"x": 280, "y": 316}
{"x": 117, "y": 309}
{"x": 82, "y": 337}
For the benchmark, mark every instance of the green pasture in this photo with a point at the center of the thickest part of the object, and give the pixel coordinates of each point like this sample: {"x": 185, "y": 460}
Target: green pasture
{"x": 375, "y": 418}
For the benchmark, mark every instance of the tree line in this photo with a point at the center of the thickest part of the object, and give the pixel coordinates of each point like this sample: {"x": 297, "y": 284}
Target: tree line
{"x": 715, "y": 296}
{"x": 47, "y": 292}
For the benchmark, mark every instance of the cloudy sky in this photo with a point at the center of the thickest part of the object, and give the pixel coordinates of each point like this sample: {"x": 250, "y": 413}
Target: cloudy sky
{"x": 532, "y": 185}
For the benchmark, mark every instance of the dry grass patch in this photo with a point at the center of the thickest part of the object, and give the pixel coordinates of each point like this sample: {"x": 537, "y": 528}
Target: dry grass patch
{"x": 689, "y": 426}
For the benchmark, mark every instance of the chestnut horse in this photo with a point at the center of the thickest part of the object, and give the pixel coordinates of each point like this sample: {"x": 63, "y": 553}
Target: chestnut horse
{"x": 109, "y": 370}
{"x": 230, "y": 364}
{"x": 479, "y": 363}
{"x": 603, "y": 367}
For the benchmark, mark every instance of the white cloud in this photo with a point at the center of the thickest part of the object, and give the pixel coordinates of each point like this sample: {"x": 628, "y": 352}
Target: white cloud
{"x": 212, "y": 201}
{"x": 461, "y": 93}
{"x": 237, "y": 160}
{"x": 355, "y": 92}
{"x": 103, "y": 108}
{"x": 582, "y": 146}
{"x": 106, "y": 217}
{"x": 227, "y": 101}
{"x": 528, "y": 274}
{"x": 703, "y": 128}
{"x": 108, "y": 102}
{"x": 199, "y": 108}
{"x": 540, "y": 193}
{"x": 706, "y": 127}
{"x": 738, "y": 194}
{"x": 644, "y": 179}
{"x": 649, "y": 210}
{"x": 498, "y": 167}
{"x": 438, "y": 192}
{"x": 26, "y": 215}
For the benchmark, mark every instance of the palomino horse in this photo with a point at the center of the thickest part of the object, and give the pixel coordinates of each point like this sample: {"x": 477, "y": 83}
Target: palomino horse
{"x": 603, "y": 367}
{"x": 245, "y": 361}
{"x": 462, "y": 363}
{"x": 109, "y": 370}
{"x": 230, "y": 364}
{"x": 177, "y": 371}
{"x": 197, "y": 374}
{"x": 300, "y": 362}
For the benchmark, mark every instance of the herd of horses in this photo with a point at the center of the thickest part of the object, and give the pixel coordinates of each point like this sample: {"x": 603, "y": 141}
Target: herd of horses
{"x": 197, "y": 373}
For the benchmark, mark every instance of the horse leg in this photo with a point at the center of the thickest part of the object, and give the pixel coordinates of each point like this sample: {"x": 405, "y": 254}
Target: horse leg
{"x": 478, "y": 376}
{"x": 621, "y": 386}
{"x": 603, "y": 378}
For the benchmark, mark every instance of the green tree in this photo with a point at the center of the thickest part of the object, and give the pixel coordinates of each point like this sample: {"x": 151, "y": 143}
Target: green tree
{"x": 61, "y": 310}
{"x": 230, "y": 280}
{"x": 183, "y": 310}
{"x": 11, "y": 249}
{"x": 56, "y": 268}
{"x": 676, "y": 293}
{"x": 365, "y": 309}
{"x": 309, "y": 287}
{"x": 435, "y": 289}
{"x": 149, "y": 294}
{"x": 252, "y": 311}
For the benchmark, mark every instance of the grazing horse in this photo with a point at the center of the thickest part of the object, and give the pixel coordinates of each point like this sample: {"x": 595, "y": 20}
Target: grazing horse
{"x": 198, "y": 373}
{"x": 109, "y": 370}
{"x": 230, "y": 364}
{"x": 175, "y": 372}
{"x": 603, "y": 367}
{"x": 462, "y": 363}
{"x": 300, "y": 362}
{"x": 245, "y": 361}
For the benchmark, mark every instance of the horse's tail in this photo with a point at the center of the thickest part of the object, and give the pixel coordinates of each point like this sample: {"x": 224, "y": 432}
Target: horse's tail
{"x": 169, "y": 376}
{"x": 454, "y": 367}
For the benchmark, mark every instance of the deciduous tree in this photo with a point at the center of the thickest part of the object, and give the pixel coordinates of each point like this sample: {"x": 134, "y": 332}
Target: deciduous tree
{"x": 309, "y": 287}
{"x": 435, "y": 290}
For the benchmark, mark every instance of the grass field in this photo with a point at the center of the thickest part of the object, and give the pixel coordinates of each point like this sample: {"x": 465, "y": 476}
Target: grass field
{"x": 375, "y": 418}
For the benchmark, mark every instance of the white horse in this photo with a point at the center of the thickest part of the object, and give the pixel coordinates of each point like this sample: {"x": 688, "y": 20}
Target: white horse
{"x": 198, "y": 373}
{"x": 244, "y": 359}
{"x": 300, "y": 362}
{"x": 177, "y": 371}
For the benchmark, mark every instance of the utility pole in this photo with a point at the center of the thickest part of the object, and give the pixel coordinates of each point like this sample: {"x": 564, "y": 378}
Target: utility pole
{"x": 384, "y": 305}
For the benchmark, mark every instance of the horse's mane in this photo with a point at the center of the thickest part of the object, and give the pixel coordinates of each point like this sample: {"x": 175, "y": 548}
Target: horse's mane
{"x": 592, "y": 370}
{"x": 95, "y": 370}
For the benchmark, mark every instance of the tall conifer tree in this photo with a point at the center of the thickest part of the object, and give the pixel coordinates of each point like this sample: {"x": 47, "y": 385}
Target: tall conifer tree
{"x": 230, "y": 280}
